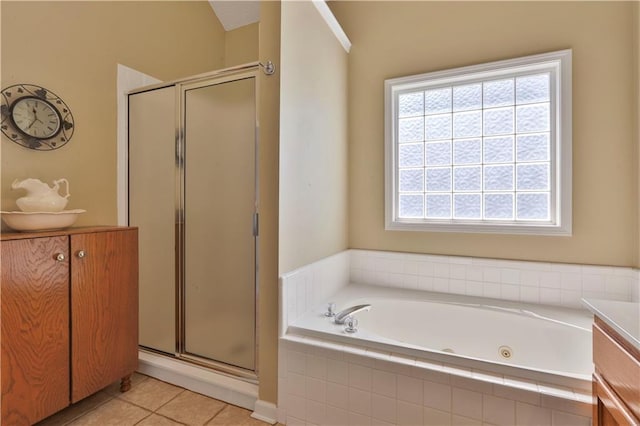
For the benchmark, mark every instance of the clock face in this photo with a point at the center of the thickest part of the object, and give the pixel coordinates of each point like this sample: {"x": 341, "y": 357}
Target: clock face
{"x": 36, "y": 117}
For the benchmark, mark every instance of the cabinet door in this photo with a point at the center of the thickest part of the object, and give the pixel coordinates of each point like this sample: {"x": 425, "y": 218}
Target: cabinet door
{"x": 104, "y": 309}
{"x": 35, "y": 328}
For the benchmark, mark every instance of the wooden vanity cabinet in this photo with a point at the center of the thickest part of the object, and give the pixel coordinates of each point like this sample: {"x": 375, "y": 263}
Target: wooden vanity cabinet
{"x": 69, "y": 302}
{"x": 616, "y": 381}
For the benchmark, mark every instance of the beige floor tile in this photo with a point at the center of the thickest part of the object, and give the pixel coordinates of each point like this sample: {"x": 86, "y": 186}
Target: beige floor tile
{"x": 151, "y": 394}
{"x": 113, "y": 413}
{"x": 191, "y": 408}
{"x": 156, "y": 420}
{"x": 232, "y": 415}
{"x": 136, "y": 378}
{"x": 76, "y": 410}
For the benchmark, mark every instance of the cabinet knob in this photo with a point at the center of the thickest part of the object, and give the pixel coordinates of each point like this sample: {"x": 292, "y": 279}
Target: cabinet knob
{"x": 81, "y": 254}
{"x": 60, "y": 257}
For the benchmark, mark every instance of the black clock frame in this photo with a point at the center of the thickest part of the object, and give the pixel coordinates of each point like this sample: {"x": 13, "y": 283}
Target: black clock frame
{"x": 12, "y": 94}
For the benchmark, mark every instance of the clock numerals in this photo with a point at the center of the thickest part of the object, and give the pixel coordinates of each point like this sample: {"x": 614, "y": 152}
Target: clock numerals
{"x": 36, "y": 118}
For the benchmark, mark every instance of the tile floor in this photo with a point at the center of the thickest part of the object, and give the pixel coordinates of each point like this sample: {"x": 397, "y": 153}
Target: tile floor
{"x": 150, "y": 402}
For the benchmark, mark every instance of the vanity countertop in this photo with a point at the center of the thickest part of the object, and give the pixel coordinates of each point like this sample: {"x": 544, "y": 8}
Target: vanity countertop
{"x": 623, "y": 317}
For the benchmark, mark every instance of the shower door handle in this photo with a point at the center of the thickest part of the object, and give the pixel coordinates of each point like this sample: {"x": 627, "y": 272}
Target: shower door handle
{"x": 256, "y": 226}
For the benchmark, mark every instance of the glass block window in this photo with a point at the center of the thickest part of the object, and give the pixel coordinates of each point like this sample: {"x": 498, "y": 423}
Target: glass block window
{"x": 485, "y": 148}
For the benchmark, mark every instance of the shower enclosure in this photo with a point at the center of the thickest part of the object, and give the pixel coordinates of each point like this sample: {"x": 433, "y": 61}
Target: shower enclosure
{"x": 193, "y": 195}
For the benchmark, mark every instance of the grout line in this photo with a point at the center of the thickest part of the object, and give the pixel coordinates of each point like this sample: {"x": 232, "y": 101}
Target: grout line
{"x": 145, "y": 417}
{"x": 216, "y": 414}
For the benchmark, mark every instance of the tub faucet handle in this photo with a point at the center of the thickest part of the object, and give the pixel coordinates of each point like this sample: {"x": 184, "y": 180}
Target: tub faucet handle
{"x": 331, "y": 310}
{"x": 351, "y": 324}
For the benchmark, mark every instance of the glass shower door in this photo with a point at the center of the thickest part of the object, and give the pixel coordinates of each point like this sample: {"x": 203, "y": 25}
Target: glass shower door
{"x": 219, "y": 207}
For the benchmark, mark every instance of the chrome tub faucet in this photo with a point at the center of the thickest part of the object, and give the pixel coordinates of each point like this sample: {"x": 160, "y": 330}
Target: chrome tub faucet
{"x": 342, "y": 316}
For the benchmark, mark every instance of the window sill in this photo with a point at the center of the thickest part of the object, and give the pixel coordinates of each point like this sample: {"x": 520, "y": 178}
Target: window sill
{"x": 542, "y": 229}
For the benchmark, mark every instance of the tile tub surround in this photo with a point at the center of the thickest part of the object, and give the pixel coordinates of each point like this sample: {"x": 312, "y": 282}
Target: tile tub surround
{"x": 310, "y": 285}
{"x": 532, "y": 282}
{"x": 321, "y": 383}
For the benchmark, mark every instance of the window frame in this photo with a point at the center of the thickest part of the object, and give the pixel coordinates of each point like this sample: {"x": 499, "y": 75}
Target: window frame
{"x": 559, "y": 64}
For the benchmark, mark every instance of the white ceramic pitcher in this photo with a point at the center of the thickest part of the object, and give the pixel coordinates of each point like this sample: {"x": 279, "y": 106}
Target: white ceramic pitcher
{"x": 40, "y": 196}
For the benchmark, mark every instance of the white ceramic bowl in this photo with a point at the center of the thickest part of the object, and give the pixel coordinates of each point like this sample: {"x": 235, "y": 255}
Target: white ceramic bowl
{"x": 40, "y": 221}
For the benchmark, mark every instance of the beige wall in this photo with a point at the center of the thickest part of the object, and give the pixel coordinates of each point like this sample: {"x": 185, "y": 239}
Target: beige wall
{"x": 636, "y": 50}
{"x": 268, "y": 116}
{"x": 72, "y": 48}
{"x": 313, "y": 139}
{"x": 241, "y": 45}
{"x": 392, "y": 39}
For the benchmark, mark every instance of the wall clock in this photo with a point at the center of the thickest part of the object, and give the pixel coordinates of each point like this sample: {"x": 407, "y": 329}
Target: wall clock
{"x": 35, "y": 117}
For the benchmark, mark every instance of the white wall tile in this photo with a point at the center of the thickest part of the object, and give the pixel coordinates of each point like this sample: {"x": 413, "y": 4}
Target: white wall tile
{"x": 441, "y": 270}
{"x": 491, "y": 274}
{"x": 491, "y": 290}
{"x": 458, "y": 272}
{"x": 360, "y": 377}
{"x": 410, "y": 389}
{"x": 550, "y": 296}
{"x": 464, "y": 421}
{"x": 528, "y": 396}
{"x": 409, "y": 414}
{"x": 316, "y": 390}
{"x": 316, "y": 366}
{"x": 457, "y": 286}
{"x": 466, "y": 403}
{"x": 336, "y": 416}
{"x": 316, "y": 412}
{"x": 432, "y": 417}
{"x": 498, "y": 411}
{"x": 510, "y": 276}
{"x": 550, "y": 279}
{"x": 378, "y": 422}
{"x": 509, "y": 292}
{"x": 559, "y": 418}
{"x": 337, "y": 396}
{"x": 425, "y": 283}
{"x": 530, "y": 278}
{"x": 441, "y": 285}
{"x": 383, "y": 408}
{"x": 337, "y": 371}
{"x": 384, "y": 383}
{"x": 297, "y": 407}
{"x": 296, "y": 362}
{"x": 296, "y": 385}
{"x": 359, "y": 401}
{"x": 531, "y": 415}
{"x": 565, "y": 405}
{"x": 356, "y": 419}
{"x": 437, "y": 395}
{"x": 292, "y": 421}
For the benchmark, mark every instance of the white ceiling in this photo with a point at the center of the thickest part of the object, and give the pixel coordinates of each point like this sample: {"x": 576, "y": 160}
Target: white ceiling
{"x": 236, "y": 13}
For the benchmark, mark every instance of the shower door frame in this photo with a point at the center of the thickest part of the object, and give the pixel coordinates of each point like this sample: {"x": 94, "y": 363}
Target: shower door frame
{"x": 181, "y": 89}
{"x": 242, "y": 72}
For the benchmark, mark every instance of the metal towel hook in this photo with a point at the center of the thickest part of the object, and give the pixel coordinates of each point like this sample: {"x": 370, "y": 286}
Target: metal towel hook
{"x": 269, "y": 68}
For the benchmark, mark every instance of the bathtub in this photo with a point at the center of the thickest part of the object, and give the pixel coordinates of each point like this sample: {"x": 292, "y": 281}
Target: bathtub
{"x": 534, "y": 342}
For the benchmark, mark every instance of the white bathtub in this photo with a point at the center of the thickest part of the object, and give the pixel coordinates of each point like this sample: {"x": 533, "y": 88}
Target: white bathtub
{"x": 546, "y": 344}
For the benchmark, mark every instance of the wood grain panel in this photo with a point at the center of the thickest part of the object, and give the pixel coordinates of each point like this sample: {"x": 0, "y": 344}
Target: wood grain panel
{"x": 35, "y": 329}
{"x": 104, "y": 310}
{"x": 618, "y": 369}
{"x": 608, "y": 409}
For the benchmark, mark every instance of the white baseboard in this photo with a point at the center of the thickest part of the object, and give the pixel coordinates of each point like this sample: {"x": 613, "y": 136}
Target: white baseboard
{"x": 265, "y": 411}
{"x": 200, "y": 380}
